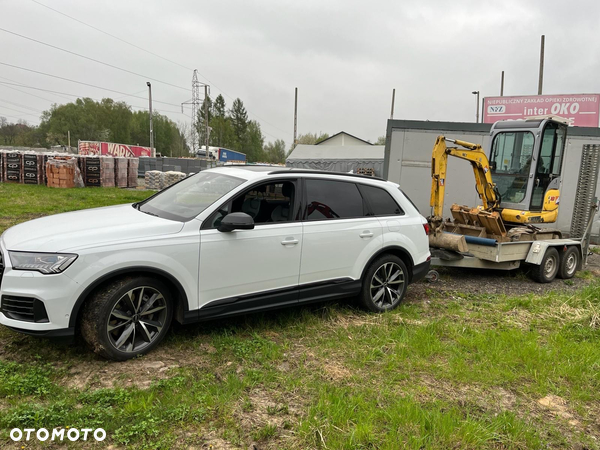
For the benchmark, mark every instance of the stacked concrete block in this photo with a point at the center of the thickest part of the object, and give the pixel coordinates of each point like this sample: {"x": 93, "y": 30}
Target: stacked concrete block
{"x": 121, "y": 171}
{"x": 153, "y": 180}
{"x": 172, "y": 177}
{"x": 132, "y": 172}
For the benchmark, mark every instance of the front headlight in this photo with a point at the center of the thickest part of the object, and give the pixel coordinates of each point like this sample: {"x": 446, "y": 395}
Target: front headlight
{"x": 46, "y": 263}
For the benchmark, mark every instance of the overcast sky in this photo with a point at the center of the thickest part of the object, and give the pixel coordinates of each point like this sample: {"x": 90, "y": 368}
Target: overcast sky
{"x": 345, "y": 57}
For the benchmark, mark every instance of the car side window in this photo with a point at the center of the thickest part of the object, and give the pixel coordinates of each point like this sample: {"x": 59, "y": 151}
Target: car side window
{"x": 327, "y": 199}
{"x": 265, "y": 203}
{"x": 380, "y": 201}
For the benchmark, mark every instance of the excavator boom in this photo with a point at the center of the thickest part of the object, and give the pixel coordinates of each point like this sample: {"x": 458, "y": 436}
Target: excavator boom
{"x": 486, "y": 189}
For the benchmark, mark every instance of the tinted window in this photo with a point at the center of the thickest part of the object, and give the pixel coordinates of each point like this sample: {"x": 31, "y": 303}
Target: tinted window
{"x": 380, "y": 201}
{"x": 333, "y": 200}
{"x": 265, "y": 203}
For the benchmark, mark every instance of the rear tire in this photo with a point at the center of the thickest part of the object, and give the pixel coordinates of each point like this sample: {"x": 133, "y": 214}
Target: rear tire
{"x": 547, "y": 270}
{"x": 384, "y": 284}
{"x": 127, "y": 318}
{"x": 569, "y": 261}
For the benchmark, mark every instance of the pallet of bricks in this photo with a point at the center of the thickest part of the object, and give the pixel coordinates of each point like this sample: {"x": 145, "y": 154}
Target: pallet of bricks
{"x": 365, "y": 171}
{"x": 132, "y": 172}
{"x": 12, "y": 167}
{"x": 63, "y": 172}
{"x": 97, "y": 171}
{"x": 34, "y": 168}
{"x": 121, "y": 172}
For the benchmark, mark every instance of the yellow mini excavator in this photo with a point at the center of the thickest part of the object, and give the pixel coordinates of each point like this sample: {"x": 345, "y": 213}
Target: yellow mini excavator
{"x": 518, "y": 182}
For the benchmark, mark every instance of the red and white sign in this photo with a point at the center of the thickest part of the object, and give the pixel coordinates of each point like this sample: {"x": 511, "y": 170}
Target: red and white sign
{"x": 112, "y": 149}
{"x": 582, "y": 110}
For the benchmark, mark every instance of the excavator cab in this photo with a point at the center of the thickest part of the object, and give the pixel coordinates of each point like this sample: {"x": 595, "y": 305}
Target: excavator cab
{"x": 525, "y": 163}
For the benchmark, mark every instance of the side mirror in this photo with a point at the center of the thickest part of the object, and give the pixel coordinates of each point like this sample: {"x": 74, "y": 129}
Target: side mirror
{"x": 236, "y": 221}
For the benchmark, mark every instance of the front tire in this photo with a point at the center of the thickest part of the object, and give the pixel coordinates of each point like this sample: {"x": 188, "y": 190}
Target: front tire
{"x": 127, "y": 318}
{"x": 384, "y": 284}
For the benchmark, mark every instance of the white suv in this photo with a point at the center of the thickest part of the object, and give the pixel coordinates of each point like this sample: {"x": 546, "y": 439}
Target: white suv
{"x": 226, "y": 241}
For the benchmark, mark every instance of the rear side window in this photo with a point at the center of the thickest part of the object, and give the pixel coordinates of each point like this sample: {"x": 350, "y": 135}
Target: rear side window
{"x": 380, "y": 201}
{"x": 327, "y": 199}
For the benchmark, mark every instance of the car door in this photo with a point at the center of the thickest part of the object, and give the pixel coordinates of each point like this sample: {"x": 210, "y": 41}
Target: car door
{"x": 339, "y": 235}
{"x": 248, "y": 270}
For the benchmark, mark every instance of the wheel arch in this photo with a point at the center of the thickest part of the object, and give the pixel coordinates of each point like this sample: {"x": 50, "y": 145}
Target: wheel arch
{"x": 181, "y": 301}
{"x": 398, "y": 251}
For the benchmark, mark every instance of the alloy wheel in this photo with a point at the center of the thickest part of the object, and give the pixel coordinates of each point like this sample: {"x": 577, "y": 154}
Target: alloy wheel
{"x": 387, "y": 285}
{"x": 137, "y": 319}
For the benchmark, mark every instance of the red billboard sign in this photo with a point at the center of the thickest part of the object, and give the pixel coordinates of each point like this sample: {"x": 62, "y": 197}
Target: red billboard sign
{"x": 582, "y": 110}
{"x": 112, "y": 149}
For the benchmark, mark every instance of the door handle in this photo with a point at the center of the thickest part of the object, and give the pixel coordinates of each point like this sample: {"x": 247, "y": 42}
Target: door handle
{"x": 366, "y": 234}
{"x": 289, "y": 241}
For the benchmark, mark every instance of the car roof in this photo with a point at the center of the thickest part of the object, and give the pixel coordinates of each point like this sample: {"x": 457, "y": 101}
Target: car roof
{"x": 256, "y": 171}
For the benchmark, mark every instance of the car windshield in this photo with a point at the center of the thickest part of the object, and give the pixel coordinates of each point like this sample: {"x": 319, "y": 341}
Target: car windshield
{"x": 188, "y": 198}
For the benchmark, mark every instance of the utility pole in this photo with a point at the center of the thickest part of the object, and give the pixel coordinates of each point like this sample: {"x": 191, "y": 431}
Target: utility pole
{"x": 502, "y": 85}
{"x": 541, "y": 81}
{"x": 206, "y": 117}
{"x": 195, "y": 102}
{"x": 150, "y": 108}
{"x": 393, "y": 101}
{"x": 69, "y": 140}
{"x": 476, "y": 107}
{"x": 295, "y": 119}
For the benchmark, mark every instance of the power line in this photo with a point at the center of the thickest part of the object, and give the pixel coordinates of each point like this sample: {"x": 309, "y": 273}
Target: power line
{"x": 82, "y": 83}
{"x": 32, "y": 95}
{"x": 13, "y": 117}
{"x": 21, "y": 106}
{"x": 112, "y": 35}
{"x": 158, "y": 56}
{"x": 20, "y": 112}
{"x": 4, "y": 83}
{"x": 92, "y": 59}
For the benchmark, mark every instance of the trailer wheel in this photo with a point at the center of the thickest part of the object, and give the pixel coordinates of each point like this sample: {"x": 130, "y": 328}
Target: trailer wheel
{"x": 569, "y": 261}
{"x": 547, "y": 270}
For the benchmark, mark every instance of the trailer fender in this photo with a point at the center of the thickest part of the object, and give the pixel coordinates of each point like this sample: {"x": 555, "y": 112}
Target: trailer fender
{"x": 538, "y": 250}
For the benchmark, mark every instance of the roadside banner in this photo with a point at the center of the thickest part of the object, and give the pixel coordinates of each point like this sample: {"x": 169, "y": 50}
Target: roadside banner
{"x": 582, "y": 110}
{"x": 113, "y": 149}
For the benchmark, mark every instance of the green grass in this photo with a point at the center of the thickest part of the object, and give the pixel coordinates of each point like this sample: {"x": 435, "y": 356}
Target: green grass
{"x": 461, "y": 371}
{"x": 19, "y": 203}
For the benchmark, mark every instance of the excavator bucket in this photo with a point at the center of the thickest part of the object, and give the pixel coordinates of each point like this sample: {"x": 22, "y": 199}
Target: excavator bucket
{"x": 478, "y": 218}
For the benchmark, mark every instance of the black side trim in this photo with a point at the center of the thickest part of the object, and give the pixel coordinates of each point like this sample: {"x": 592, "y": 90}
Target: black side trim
{"x": 277, "y": 299}
{"x": 420, "y": 270}
{"x": 63, "y": 332}
{"x": 329, "y": 290}
{"x": 180, "y": 315}
{"x": 245, "y": 304}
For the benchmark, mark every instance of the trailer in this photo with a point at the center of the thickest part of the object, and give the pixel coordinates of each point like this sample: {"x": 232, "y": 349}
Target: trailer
{"x": 544, "y": 250}
{"x": 226, "y": 155}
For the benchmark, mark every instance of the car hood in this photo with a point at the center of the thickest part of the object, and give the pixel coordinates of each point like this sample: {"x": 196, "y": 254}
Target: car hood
{"x": 86, "y": 228}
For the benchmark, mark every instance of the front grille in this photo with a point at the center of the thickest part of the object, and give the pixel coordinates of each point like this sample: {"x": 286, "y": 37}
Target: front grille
{"x": 26, "y": 309}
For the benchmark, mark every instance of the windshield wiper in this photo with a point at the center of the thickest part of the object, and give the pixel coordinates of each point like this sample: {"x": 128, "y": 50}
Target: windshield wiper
{"x": 150, "y": 213}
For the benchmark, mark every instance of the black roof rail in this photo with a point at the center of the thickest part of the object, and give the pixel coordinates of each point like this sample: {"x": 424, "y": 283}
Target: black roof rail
{"x": 324, "y": 172}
